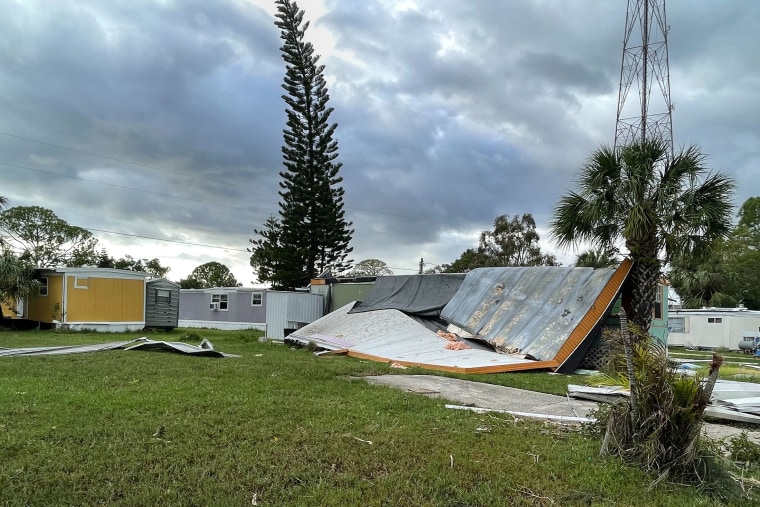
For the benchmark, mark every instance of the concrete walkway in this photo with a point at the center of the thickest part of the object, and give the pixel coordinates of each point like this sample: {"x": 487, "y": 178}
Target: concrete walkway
{"x": 478, "y": 394}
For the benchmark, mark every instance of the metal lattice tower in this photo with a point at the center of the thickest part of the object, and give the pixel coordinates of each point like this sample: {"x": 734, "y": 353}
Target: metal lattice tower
{"x": 645, "y": 61}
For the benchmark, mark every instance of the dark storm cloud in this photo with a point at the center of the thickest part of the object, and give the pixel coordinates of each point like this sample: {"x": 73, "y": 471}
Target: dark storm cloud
{"x": 191, "y": 88}
{"x": 454, "y": 105}
{"x": 450, "y": 113}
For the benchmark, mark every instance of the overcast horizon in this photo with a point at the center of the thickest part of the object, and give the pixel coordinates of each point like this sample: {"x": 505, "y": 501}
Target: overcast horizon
{"x": 143, "y": 119}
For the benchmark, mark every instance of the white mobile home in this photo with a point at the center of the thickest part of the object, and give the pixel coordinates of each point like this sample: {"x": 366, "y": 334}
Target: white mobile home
{"x": 712, "y": 328}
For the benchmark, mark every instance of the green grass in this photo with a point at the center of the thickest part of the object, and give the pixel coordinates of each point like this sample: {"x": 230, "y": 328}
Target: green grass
{"x": 679, "y": 352}
{"x": 729, "y": 370}
{"x": 148, "y": 428}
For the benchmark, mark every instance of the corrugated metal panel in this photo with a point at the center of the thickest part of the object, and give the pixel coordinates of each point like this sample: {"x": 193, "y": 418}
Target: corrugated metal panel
{"x": 530, "y": 310}
{"x": 291, "y": 310}
{"x": 389, "y": 335}
{"x": 304, "y": 308}
{"x": 277, "y": 314}
{"x": 191, "y": 305}
{"x": 572, "y": 351}
{"x": 324, "y": 291}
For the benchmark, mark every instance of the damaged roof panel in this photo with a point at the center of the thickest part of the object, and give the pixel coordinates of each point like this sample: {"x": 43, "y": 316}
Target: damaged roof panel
{"x": 392, "y": 336}
{"x": 537, "y": 318}
{"x": 533, "y": 310}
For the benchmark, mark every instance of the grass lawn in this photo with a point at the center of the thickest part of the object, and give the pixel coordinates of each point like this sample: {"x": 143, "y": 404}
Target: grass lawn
{"x": 277, "y": 426}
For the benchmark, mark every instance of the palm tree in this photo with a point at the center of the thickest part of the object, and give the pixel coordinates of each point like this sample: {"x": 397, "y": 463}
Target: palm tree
{"x": 16, "y": 275}
{"x": 597, "y": 258}
{"x": 657, "y": 205}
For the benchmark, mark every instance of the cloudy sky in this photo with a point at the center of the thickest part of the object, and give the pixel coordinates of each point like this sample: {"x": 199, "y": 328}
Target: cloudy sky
{"x": 158, "y": 124}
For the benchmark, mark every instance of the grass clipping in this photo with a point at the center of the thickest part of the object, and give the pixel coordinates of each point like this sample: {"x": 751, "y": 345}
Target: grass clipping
{"x": 658, "y": 428}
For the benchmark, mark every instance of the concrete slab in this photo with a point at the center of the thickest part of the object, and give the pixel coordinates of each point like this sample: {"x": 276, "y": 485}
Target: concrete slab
{"x": 478, "y": 394}
{"x": 482, "y": 395}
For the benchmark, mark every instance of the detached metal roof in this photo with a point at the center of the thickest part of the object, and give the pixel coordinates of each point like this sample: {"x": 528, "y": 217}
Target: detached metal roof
{"x": 538, "y": 318}
{"x": 531, "y": 310}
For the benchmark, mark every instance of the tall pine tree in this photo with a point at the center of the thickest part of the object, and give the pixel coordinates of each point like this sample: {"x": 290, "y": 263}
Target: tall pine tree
{"x": 313, "y": 232}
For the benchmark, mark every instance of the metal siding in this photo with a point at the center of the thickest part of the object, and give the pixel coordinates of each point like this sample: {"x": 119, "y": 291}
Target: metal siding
{"x": 726, "y": 334}
{"x": 276, "y": 314}
{"x": 304, "y": 308}
{"x": 42, "y": 308}
{"x": 243, "y": 311}
{"x": 324, "y": 291}
{"x": 194, "y": 305}
{"x": 199, "y": 307}
{"x": 159, "y": 314}
{"x": 105, "y": 300}
{"x": 344, "y": 293}
{"x": 191, "y": 305}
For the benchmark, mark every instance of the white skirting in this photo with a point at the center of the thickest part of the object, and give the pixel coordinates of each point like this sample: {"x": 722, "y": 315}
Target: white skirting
{"x": 215, "y": 324}
{"x": 101, "y": 327}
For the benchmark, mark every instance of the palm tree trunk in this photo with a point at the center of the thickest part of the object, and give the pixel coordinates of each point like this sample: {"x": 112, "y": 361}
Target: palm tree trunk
{"x": 712, "y": 377}
{"x": 643, "y": 285}
{"x": 632, "y": 385}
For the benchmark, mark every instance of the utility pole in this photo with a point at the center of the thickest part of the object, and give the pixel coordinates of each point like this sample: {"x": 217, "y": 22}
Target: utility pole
{"x": 645, "y": 61}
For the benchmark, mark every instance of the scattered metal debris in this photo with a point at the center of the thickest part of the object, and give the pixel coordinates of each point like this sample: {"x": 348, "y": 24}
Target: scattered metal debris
{"x": 205, "y": 349}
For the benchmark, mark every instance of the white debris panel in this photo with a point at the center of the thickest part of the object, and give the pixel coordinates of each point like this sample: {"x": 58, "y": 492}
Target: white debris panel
{"x": 205, "y": 349}
{"x": 392, "y": 336}
{"x": 731, "y": 400}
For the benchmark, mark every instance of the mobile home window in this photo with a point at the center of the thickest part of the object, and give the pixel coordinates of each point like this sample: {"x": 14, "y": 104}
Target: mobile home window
{"x": 221, "y": 299}
{"x": 676, "y": 324}
{"x": 714, "y": 320}
{"x": 43, "y": 286}
{"x": 80, "y": 283}
{"x": 163, "y": 296}
{"x": 256, "y": 298}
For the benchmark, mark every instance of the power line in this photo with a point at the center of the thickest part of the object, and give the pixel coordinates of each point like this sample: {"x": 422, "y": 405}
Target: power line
{"x": 195, "y": 201}
{"x": 124, "y": 187}
{"x": 200, "y": 178}
{"x": 92, "y": 229}
{"x": 165, "y": 239}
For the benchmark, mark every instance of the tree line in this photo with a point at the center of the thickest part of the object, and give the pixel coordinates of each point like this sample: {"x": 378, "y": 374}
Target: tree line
{"x": 34, "y": 237}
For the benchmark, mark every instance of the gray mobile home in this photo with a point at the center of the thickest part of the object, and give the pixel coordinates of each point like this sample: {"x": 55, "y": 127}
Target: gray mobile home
{"x": 161, "y": 304}
{"x": 223, "y": 308}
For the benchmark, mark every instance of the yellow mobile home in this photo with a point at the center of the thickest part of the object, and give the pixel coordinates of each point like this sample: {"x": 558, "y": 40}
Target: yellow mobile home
{"x": 102, "y": 299}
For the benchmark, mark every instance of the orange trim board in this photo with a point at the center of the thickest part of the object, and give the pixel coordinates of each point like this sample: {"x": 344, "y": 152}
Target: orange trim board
{"x": 596, "y": 313}
{"x": 501, "y": 368}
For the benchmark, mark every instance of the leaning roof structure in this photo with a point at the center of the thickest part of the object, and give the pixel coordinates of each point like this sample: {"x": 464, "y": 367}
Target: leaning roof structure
{"x": 542, "y": 312}
{"x": 509, "y": 319}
